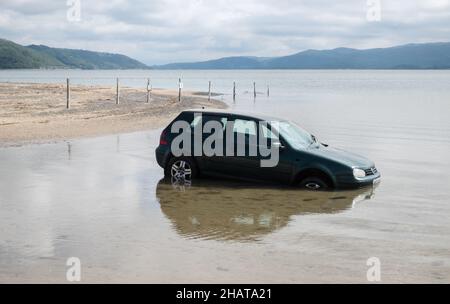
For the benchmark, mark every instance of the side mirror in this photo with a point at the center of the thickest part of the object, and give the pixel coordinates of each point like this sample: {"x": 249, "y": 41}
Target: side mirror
{"x": 278, "y": 145}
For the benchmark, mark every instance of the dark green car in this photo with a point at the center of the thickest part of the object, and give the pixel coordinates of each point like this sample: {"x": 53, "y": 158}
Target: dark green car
{"x": 301, "y": 159}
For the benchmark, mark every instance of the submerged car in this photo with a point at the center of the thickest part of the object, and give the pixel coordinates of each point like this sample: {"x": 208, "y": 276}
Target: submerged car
{"x": 302, "y": 160}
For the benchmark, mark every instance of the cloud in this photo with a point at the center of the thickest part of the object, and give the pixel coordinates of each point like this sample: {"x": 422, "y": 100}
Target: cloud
{"x": 159, "y": 31}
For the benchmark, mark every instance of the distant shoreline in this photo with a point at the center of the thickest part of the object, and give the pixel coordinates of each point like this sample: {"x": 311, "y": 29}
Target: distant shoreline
{"x": 36, "y": 113}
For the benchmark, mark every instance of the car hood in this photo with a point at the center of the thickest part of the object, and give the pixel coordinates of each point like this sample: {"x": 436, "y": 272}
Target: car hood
{"x": 343, "y": 157}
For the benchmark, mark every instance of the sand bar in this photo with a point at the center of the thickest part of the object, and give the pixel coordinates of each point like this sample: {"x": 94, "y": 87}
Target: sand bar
{"x": 31, "y": 113}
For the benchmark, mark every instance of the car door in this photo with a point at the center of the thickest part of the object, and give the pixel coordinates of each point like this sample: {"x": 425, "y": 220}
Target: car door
{"x": 246, "y": 161}
{"x": 282, "y": 158}
{"x": 208, "y": 162}
{"x": 243, "y": 143}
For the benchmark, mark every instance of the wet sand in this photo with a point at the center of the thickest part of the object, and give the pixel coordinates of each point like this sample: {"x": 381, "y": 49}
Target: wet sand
{"x": 37, "y": 112}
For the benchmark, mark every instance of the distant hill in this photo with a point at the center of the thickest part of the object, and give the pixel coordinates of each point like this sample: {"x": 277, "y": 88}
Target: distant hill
{"x": 15, "y": 56}
{"x": 410, "y": 56}
{"x": 223, "y": 63}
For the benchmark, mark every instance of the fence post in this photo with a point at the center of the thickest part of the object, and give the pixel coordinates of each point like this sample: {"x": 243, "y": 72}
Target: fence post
{"x": 68, "y": 94}
{"x": 209, "y": 92}
{"x": 234, "y": 90}
{"x": 117, "y": 91}
{"x": 268, "y": 91}
{"x": 254, "y": 89}
{"x": 179, "y": 89}
{"x": 148, "y": 90}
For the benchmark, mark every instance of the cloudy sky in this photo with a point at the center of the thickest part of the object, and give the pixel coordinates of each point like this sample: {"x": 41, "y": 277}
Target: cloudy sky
{"x": 162, "y": 31}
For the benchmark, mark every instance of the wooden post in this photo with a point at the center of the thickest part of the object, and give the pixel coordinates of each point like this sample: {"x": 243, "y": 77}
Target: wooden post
{"x": 179, "y": 89}
{"x": 268, "y": 91}
{"x": 254, "y": 89}
{"x": 209, "y": 92}
{"x": 69, "y": 150}
{"x": 68, "y": 94}
{"x": 148, "y": 90}
{"x": 234, "y": 90}
{"x": 117, "y": 91}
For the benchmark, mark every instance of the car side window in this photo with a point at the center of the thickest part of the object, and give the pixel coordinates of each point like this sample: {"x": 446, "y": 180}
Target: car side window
{"x": 196, "y": 121}
{"x": 267, "y": 133}
{"x": 247, "y": 127}
{"x": 206, "y": 118}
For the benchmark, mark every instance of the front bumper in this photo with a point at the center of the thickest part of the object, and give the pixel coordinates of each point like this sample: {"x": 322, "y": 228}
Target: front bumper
{"x": 348, "y": 181}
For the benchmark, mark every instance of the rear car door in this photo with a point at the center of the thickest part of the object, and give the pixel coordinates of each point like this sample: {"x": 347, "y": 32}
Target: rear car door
{"x": 243, "y": 144}
{"x": 211, "y": 163}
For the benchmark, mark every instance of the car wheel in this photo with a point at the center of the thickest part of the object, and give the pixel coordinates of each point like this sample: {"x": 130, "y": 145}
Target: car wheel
{"x": 314, "y": 184}
{"x": 181, "y": 169}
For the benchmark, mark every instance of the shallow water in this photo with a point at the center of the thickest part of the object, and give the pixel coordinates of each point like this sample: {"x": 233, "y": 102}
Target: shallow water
{"x": 103, "y": 200}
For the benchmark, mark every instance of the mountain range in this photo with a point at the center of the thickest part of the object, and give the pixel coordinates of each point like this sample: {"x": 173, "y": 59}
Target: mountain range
{"x": 410, "y": 56}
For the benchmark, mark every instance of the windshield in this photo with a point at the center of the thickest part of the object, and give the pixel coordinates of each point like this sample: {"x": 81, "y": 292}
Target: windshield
{"x": 294, "y": 135}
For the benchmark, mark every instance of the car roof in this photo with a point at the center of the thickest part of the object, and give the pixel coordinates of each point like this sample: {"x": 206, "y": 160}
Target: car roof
{"x": 235, "y": 113}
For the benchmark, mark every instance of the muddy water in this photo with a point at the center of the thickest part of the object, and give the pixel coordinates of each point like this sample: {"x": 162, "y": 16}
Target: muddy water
{"x": 103, "y": 200}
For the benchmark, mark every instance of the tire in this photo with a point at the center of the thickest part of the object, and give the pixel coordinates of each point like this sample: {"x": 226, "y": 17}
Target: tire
{"x": 181, "y": 169}
{"x": 314, "y": 184}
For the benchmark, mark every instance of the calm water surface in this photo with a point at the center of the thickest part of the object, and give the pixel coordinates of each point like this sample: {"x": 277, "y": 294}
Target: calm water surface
{"x": 103, "y": 200}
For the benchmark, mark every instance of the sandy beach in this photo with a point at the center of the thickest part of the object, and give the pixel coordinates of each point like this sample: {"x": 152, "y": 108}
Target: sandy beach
{"x": 32, "y": 113}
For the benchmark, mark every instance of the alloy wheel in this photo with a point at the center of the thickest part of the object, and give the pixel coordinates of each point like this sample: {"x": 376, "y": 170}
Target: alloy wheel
{"x": 181, "y": 171}
{"x": 313, "y": 186}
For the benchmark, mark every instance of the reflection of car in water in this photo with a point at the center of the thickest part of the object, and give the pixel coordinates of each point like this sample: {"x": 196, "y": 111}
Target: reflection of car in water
{"x": 215, "y": 210}
{"x": 302, "y": 159}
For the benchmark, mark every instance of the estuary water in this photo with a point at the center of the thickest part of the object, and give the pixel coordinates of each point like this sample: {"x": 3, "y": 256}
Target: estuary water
{"x": 103, "y": 199}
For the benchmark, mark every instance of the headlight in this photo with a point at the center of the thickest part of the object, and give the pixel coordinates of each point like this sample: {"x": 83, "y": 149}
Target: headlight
{"x": 359, "y": 173}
